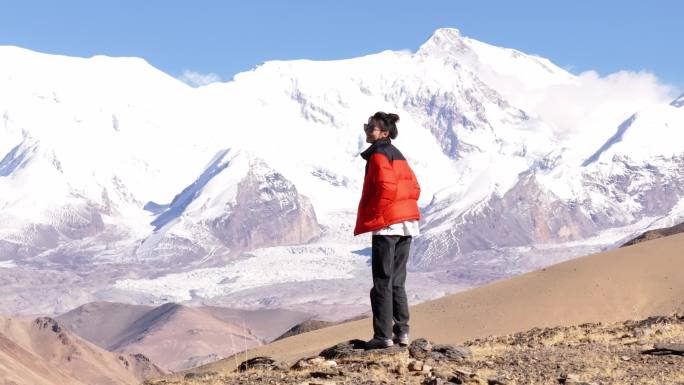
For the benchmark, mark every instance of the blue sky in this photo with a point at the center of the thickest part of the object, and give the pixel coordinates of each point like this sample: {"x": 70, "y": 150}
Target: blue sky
{"x": 227, "y": 37}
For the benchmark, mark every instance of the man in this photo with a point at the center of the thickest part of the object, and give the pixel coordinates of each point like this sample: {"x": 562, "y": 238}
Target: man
{"x": 389, "y": 209}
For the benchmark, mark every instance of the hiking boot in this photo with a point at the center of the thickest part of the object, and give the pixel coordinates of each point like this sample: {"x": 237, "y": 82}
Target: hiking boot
{"x": 401, "y": 339}
{"x": 378, "y": 343}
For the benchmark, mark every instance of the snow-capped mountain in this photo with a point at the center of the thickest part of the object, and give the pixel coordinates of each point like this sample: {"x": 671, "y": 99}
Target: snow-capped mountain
{"x": 237, "y": 203}
{"x": 634, "y": 178}
{"x": 127, "y": 184}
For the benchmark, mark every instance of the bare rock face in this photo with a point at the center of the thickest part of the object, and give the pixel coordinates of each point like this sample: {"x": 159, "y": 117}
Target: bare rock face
{"x": 521, "y": 217}
{"x": 268, "y": 211}
{"x": 527, "y": 206}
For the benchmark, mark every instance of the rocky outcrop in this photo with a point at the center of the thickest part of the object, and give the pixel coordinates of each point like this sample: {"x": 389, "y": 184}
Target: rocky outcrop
{"x": 518, "y": 218}
{"x": 655, "y": 234}
{"x": 238, "y": 203}
{"x": 268, "y": 211}
{"x": 306, "y": 326}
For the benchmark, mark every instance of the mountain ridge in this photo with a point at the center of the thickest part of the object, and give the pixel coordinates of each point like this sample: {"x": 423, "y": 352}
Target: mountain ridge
{"x": 474, "y": 142}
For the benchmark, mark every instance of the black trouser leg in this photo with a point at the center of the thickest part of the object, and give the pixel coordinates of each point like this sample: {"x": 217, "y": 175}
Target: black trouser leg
{"x": 389, "y": 257}
{"x": 400, "y": 310}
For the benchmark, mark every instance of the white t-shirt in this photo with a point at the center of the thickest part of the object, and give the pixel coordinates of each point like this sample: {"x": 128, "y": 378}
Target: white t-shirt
{"x": 401, "y": 228}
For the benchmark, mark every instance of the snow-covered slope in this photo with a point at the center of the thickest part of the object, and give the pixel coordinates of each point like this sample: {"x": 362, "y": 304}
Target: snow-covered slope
{"x": 633, "y": 179}
{"x": 140, "y": 188}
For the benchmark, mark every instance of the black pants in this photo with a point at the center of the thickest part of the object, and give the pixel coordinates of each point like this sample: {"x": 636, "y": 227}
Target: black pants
{"x": 388, "y": 296}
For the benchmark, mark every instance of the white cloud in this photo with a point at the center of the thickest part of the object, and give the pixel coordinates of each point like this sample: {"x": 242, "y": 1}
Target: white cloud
{"x": 197, "y": 79}
{"x": 592, "y": 107}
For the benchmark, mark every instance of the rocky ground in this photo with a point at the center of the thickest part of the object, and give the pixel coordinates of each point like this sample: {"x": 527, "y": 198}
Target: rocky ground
{"x": 648, "y": 351}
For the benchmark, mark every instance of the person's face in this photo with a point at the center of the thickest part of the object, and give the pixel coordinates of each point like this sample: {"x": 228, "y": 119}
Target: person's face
{"x": 373, "y": 132}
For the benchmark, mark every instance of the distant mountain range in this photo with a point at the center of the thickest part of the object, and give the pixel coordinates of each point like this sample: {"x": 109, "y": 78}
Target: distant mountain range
{"x": 177, "y": 337}
{"x": 121, "y": 183}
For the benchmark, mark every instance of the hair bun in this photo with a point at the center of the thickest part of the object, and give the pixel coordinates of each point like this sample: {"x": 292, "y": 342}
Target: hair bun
{"x": 387, "y": 122}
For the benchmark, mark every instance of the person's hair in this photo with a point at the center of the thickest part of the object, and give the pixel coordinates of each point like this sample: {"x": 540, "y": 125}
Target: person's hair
{"x": 386, "y": 122}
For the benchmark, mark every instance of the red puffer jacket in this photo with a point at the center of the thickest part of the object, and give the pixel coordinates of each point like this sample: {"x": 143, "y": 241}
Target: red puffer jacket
{"x": 390, "y": 189}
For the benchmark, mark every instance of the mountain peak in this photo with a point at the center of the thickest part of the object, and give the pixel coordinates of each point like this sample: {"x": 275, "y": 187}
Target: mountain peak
{"x": 449, "y": 33}
{"x": 443, "y": 41}
{"x": 678, "y": 102}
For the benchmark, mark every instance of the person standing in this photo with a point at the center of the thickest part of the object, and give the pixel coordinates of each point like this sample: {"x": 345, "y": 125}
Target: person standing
{"x": 389, "y": 209}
